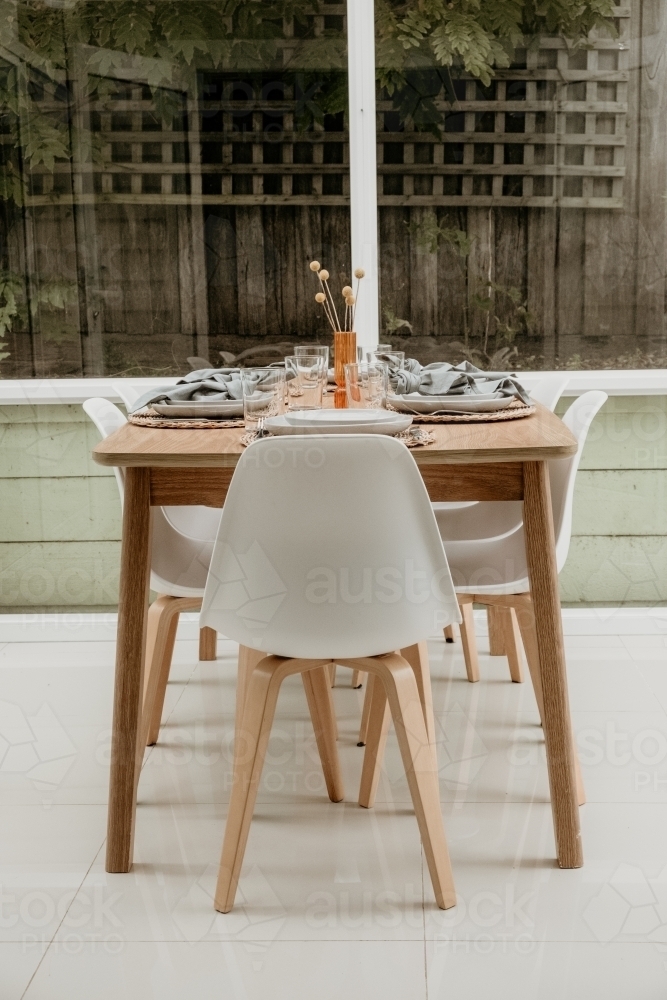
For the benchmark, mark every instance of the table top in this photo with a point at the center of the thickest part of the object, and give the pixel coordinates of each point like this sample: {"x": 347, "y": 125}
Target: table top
{"x": 540, "y": 436}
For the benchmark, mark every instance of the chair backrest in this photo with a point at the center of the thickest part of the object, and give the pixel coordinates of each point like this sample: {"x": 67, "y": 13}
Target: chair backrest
{"x": 128, "y": 393}
{"x": 196, "y": 522}
{"x": 328, "y": 547}
{"x": 563, "y": 472}
{"x": 107, "y": 418}
{"x": 549, "y": 389}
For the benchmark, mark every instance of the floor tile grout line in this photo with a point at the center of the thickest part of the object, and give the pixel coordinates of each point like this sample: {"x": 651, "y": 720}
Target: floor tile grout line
{"x": 71, "y": 903}
{"x": 424, "y": 927}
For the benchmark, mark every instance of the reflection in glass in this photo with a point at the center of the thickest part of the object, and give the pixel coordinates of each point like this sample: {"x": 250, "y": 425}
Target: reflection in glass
{"x": 166, "y": 172}
{"x": 522, "y": 214}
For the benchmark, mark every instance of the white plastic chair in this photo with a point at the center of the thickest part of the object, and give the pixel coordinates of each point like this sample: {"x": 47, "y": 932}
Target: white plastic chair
{"x": 494, "y": 571}
{"x": 328, "y": 551}
{"x": 193, "y": 522}
{"x": 181, "y": 550}
{"x": 489, "y": 564}
{"x": 481, "y": 520}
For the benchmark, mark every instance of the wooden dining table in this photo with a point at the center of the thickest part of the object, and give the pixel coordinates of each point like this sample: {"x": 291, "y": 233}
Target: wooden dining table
{"x": 503, "y": 460}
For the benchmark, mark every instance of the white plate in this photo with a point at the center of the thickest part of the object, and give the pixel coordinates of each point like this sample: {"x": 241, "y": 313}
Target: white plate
{"x": 199, "y": 408}
{"x": 319, "y": 418}
{"x": 283, "y": 425}
{"x": 414, "y": 402}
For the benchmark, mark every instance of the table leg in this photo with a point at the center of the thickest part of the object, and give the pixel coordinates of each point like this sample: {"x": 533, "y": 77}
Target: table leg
{"x": 126, "y": 750}
{"x": 543, "y": 575}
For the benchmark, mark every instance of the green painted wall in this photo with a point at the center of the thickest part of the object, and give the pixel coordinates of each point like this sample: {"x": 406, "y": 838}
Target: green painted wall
{"x": 60, "y": 513}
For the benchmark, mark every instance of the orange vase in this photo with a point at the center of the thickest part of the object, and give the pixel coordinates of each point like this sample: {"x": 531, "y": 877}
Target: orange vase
{"x": 345, "y": 353}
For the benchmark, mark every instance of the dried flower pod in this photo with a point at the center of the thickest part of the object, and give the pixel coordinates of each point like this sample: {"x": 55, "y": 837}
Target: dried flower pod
{"x": 324, "y": 275}
{"x": 350, "y": 300}
{"x": 315, "y": 265}
{"x": 359, "y": 273}
{"x": 320, "y": 297}
{"x": 347, "y": 291}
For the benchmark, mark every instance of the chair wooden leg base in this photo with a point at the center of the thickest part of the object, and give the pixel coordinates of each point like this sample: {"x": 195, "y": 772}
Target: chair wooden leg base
{"x": 163, "y": 616}
{"x": 208, "y": 643}
{"x": 259, "y": 709}
{"x": 512, "y": 643}
{"x": 365, "y": 712}
{"x": 357, "y": 679}
{"x": 395, "y": 684}
{"x": 449, "y": 633}
{"x": 468, "y": 641}
{"x": 376, "y": 720}
{"x": 397, "y": 677}
{"x": 496, "y": 622}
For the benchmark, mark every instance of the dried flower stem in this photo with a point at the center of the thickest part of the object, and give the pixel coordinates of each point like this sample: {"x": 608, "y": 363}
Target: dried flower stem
{"x": 327, "y": 313}
{"x": 332, "y": 304}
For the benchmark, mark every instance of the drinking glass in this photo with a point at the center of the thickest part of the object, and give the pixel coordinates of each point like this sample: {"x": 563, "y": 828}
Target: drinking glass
{"x": 366, "y": 386}
{"x": 307, "y": 350}
{"x": 394, "y": 359}
{"x": 306, "y": 376}
{"x": 263, "y": 394}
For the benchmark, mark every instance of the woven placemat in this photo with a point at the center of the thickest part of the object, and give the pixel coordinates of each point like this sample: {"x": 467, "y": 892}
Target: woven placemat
{"x": 416, "y": 439}
{"x": 513, "y": 412}
{"x": 149, "y": 418}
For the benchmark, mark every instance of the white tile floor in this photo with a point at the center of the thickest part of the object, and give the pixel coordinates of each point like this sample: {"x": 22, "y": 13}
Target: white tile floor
{"x": 335, "y": 901}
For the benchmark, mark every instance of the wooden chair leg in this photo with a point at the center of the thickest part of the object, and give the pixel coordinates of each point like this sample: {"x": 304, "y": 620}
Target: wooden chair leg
{"x": 526, "y": 622}
{"x": 208, "y": 643}
{"x": 378, "y": 721}
{"x": 162, "y": 626}
{"x": 365, "y": 712}
{"x": 417, "y": 657}
{"x": 332, "y": 674}
{"x": 377, "y": 728}
{"x": 248, "y": 660}
{"x": 398, "y": 679}
{"x": 324, "y": 722}
{"x": 260, "y": 706}
{"x": 512, "y": 643}
{"x": 357, "y": 679}
{"x": 320, "y": 703}
{"x": 469, "y": 643}
{"x": 496, "y": 621}
{"x": 449, "y": 633}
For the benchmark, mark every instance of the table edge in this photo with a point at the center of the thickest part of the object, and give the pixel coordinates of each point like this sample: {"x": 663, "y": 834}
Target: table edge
{"x": 421, "y": 457}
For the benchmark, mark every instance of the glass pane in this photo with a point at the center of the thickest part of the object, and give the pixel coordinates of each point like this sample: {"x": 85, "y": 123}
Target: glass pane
{"x": 167, "y": 171}
{"x": 523, "y": 215}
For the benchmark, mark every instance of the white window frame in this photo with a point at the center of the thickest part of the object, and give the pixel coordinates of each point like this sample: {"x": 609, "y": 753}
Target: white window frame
{"x": 363, "y": 164}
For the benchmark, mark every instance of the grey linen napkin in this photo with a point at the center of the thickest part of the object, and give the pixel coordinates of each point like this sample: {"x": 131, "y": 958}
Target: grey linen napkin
{"x": 214, "y": 384}
{"x": 443, "y": 379}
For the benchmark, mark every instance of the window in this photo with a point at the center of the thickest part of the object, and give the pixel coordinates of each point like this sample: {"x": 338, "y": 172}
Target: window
{"x": 146, "y": 219}
{"x": 155, "y": 211}
{"x": 536, "y": 234}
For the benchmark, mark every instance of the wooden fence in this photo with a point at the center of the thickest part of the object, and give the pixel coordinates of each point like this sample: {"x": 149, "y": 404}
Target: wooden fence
{"x": 193, "y": 234}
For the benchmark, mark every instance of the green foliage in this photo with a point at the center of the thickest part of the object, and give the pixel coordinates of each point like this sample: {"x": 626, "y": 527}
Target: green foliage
{"x": 489, "y": 298}
{"x": 428, "y": 234}
{"x": 52, "y": 295}
{"x": 392, "y": 322}
{"x": 11, "y": 292}
{"x": 475, "y": 35}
